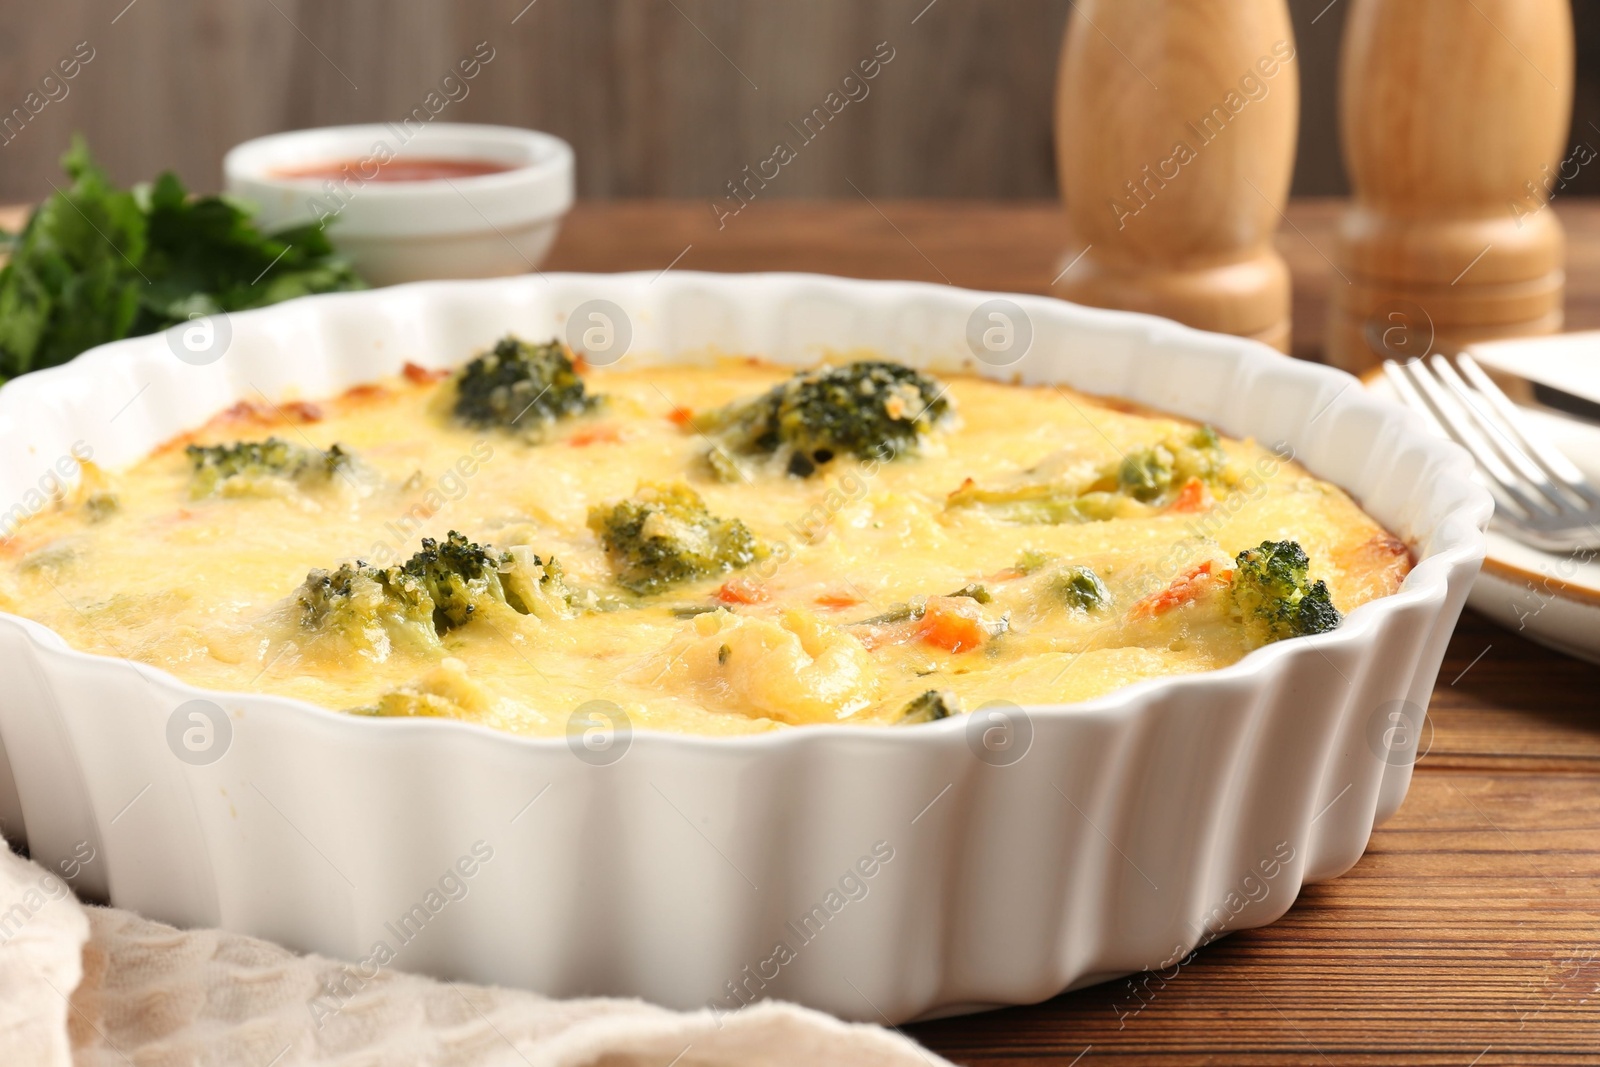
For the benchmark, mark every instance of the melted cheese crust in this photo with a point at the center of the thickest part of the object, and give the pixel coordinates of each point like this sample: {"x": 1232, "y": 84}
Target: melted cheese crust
{"x": 199, "y": 588}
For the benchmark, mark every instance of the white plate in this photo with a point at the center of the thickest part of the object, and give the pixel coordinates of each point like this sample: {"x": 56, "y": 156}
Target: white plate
{"x": 973, "y": 862}
{"x": 1547, "y": 597}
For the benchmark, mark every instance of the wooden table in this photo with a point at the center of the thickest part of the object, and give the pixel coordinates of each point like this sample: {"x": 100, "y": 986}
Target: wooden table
{"x": 1470, "y": 931}
{"x": 1469, "y": 934}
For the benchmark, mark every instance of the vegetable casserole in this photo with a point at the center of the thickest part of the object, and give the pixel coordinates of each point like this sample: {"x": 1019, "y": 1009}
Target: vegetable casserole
{"x": 717, "y": 548}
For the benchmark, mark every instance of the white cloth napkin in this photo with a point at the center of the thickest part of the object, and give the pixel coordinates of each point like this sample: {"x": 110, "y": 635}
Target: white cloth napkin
{"x": 97, "y": 987}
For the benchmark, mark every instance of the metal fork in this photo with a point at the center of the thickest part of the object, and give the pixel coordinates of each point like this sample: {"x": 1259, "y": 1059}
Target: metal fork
{"x": 1541, "y": 498}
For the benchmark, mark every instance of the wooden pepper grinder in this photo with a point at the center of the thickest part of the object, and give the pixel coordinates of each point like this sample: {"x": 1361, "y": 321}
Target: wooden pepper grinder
{"x": 1175, "y": 139}
{"x": 1453, "y": 119}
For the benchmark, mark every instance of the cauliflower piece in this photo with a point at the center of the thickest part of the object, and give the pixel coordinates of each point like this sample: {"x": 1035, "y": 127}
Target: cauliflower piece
{"x": 796, "y": 669}
{"x": 446, "y": 691}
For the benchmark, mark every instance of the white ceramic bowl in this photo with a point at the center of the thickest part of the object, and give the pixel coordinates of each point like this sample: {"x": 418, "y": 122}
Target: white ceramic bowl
{"x": 1014, "y": 859}
{"x": 474, "y": 227}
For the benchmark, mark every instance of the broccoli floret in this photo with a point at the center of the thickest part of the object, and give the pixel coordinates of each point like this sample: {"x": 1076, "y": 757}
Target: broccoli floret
{"x": 1272, "y": 593}
{"x": 439, "y": 588}
{"x": 907, "y": 612}
{"x": 50, "y": 559}
{"x": 460, "y": 575}
{"x": 1148, "y": 474}
{"x": 446, "y": 691}
{"x": 1042, "y": 503}
{"x": 930, "y": 706}
{"x": 915, "y": 608}
{"x": 100, "y": 506}
{"x": 371, "y": 609}
{"x": 870, "y": 409}
{"x": 664, "y": 535}
{"x": 520, "y": 386}
{"x": 405, "y": 703}
{"x": 246, "y": 467}
{"x": 975, "y": 591}
{"x": 457, "y": 576}
{"x": 538, "y": 586}
{"x": 1080, "y": 588}
{"x": 1032, "y": 561}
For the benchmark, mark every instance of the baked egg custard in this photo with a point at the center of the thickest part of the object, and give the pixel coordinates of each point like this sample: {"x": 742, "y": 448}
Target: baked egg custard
{"x": 714, "y": 548}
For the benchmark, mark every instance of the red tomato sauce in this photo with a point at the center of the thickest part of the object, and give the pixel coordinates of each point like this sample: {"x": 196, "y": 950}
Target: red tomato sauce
{"x": 396, "y": 170}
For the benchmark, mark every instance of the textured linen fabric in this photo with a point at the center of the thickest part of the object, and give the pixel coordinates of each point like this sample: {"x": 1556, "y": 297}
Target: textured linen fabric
{"x": 99, "y": 987}
{"x": 42, "y": 931}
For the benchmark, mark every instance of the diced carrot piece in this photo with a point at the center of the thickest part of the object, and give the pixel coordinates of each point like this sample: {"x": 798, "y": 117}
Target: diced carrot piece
{"x": 596, "y": 434}
{"x": 366, "y": 391}
{"x": 743, "y": 590}
{"x": 12, "y": 546}
{"x": 1194, "y": 496}
{"x": 951, "y": 623}
{"x": 838, "y": 599}
{"x": 245, "y": 411}
{"x": 178, "y": 516}
{"x": 681, "y": 416}
{"x": 580, "y": 361}
{"x": 417, "y": 374}
{"x": 1187, "y": 587}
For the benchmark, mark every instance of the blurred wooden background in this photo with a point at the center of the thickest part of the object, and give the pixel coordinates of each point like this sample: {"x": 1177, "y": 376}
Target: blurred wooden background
{"x": 661, "y": 98}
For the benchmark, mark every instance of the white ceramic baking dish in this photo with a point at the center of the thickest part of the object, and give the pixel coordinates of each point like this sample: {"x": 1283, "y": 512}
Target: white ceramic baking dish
{"x": 1008, "y": 860}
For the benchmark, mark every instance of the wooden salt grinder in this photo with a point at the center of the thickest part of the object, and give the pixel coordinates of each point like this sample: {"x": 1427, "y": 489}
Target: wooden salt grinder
{"x": 1453, "y": 119}
{"x": 1175, "y": 139}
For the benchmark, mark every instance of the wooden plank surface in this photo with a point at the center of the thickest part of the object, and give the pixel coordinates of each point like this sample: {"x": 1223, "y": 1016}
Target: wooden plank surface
{"x": 1469, "y": 934}
{"x": 658, "y": 99}
{"x": 1019, "y": 246}
{"x": 650, "y": 93}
